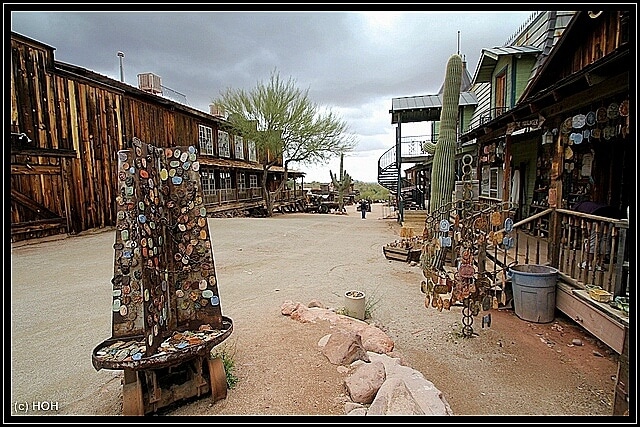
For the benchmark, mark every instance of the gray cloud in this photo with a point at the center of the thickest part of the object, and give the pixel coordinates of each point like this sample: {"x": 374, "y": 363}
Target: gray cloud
{"x": 351, "y": 62}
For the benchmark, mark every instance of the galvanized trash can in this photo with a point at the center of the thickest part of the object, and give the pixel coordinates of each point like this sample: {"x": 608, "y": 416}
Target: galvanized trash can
{"x": 534, "y": 292}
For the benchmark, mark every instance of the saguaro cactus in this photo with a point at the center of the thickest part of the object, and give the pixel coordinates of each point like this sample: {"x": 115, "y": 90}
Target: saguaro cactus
{"x": 341, "y": 184}
{"x": 443, "y": 168}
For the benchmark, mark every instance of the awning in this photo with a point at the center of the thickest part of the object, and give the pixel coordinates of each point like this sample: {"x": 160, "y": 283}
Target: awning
{"x": 424, "y": 108}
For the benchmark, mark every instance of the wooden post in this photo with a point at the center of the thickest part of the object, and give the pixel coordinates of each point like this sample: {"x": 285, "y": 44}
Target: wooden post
{"x": 66, "y": 194}
{"x": 506, "y": 175}
{"x": 621, "y": 391}
{"x": 619, "y": 288}
{"x": 555, "y": 229}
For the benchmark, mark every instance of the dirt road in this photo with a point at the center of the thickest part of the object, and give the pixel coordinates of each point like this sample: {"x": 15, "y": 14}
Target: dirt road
{"x": 61, "y": 309}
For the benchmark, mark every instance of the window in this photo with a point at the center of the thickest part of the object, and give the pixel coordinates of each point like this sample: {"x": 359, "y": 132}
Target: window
{"x": 253, "y": 181}
{"x": 208, "y": 181}
{"x": 223, "y": 144}
{"x": 242, "y": 181}
{"x": 252, "y": 151}
{"x": 225, "y": 180}
{"x": 205, "y": 137}
{"x": 239, "y": 144}
{"x": 492, "y": 182}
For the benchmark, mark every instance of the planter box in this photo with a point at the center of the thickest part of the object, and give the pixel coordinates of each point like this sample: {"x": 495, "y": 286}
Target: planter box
{"x": 595, "y": 317}
{"x": 402, "y": 254}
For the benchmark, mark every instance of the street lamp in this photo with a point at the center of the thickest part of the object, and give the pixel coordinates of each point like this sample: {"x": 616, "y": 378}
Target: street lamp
{"x": 121, "y": 55}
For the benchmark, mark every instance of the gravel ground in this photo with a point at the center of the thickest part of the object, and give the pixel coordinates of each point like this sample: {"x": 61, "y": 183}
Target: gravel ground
{"x": 61, "y": 310}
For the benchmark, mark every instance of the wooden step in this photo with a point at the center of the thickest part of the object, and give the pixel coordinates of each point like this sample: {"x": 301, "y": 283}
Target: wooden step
{"x": 415, "y": 219}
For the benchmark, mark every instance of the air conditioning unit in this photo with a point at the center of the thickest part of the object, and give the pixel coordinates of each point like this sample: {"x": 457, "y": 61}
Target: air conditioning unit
{"x": 150, "y": 82}
{"x": 217, "y": 110}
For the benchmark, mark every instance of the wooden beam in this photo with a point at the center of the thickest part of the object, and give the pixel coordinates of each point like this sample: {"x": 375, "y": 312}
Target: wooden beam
{"x": 37, "y": 225}
{"x": 45, "y": 152}
{"x": 28, "y": 169}
{"x": 32, "y": 205}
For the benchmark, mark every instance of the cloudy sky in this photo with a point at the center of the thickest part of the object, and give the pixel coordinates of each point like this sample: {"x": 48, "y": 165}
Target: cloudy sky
{"x": 352, "y": 61}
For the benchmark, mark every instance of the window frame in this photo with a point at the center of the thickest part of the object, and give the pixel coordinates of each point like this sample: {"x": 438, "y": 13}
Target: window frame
{"x": 224, "y": 149}
{"x": 205, "y": 139}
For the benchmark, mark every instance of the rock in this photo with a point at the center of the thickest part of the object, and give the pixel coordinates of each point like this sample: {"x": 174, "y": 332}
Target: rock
{"x": 350, "y": 406}
{"x": 323, "y": 341}
{"x": 287, "y": 307}
{"x": 308, "y": 315}
{"x": 374, "y": 339}
{"x": 299, "y": 313}
{"x": 316, "y": 303}
{"x": 344, "y": 347}
{"x": 394, "y": 398}
{"x": 358, "y": 411}
{"x": 406, "y": 391}
{"x": 576, "y": 341}
{"x": 597, "y": 353}
{"x": 363, "y": 383}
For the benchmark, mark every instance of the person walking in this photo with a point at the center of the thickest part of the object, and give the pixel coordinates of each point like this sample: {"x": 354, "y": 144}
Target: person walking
{"x": 363, "y": 208}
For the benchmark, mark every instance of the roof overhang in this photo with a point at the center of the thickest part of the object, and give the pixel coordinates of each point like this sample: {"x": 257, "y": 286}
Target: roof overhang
{"x": 490, "y": 57}
{"x": 424, "y": 108}
{"x": 610, "y": 67}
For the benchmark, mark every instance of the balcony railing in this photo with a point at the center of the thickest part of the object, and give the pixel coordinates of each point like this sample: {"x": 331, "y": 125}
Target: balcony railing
{"x": 486, "y": 117}
{"x": 229, "y": 195}
{"x": 232, "y": 195}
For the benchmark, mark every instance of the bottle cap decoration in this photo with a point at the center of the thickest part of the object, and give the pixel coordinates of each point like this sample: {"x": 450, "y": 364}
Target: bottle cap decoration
{"x": 164, "y": 274}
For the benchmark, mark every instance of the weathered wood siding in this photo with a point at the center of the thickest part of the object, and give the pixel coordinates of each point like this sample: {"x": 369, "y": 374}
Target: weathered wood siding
{"x": 65, "y": 179}
{"x": 591, "y": 39}
{"x": 59, "y": 113}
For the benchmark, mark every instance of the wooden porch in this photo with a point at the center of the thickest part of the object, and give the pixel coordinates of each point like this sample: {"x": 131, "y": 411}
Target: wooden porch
{"x": 589, "y": 252}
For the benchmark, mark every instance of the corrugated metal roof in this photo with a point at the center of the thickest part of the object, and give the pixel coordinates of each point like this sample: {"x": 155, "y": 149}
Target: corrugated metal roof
{"x": 238, "y": 164}
{"x": 424, "y": 108}
{"x": 428, "y": 101}
{"x": 489, "y": 57}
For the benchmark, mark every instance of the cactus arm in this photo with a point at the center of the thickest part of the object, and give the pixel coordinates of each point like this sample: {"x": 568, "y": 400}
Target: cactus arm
{"x": 429, "y": 147}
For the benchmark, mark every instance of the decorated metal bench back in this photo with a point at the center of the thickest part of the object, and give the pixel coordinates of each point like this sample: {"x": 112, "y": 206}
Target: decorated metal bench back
{"x": 164, "y": 273}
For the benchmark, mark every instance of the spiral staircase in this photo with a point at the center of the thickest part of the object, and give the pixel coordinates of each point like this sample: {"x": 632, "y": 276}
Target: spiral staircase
{"x": 389, "y": 173}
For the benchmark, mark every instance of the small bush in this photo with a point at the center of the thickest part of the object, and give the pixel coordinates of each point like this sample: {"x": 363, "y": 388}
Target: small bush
{"x": 227, "y": 355}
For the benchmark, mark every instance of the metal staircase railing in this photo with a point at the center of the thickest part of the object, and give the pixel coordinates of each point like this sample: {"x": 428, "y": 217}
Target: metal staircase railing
{"x": 411, "y": 147}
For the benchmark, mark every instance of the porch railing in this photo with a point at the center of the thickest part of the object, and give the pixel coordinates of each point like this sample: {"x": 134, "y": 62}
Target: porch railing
{"x": 229, "y": 195}
{"x": 593, "y": 251}
{"x": 587, "y": 250}
{"x": 289, "y": 195}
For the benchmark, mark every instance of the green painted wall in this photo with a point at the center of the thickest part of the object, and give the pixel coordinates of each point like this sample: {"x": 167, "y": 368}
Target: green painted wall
{"x": 523, "y": 68}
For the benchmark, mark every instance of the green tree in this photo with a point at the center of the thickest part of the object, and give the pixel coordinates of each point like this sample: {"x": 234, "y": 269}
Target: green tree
{"x": 283, "y": 121}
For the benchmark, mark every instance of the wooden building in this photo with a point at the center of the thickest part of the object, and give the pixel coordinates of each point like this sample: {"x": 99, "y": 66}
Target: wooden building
{"x": 68, "y": 123}
{"x": 571, "y": 138}
{"x": 552, "y": 135}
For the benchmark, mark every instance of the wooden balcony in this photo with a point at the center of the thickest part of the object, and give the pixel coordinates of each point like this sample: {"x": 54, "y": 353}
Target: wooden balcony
{"x": 246, "y": 198}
